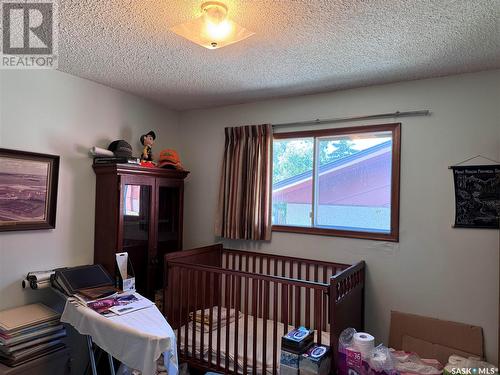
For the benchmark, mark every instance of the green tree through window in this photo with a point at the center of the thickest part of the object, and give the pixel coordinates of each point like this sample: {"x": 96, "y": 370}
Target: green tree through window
{"x": 293, "y": 157}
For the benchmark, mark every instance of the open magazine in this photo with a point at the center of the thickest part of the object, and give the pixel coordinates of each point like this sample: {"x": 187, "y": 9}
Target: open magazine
{"x": 120, "y": 304}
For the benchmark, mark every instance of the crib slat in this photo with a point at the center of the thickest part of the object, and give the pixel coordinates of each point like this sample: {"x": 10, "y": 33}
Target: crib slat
{"x": 219, "y": 281}
{"x": 297, "y": 305}
{"x": 202, "y": 331}
{"x": 261, "y": 295}
{"x": 179, "y": 304}
{"x": 255, "y": 285}
{"x": 308, "y": 300}
{"x": 245, "y": 325}
{"x": 284, "y": 307}
{"x": 168, "y": 305}
{"x": 211, "y": 317}
{"x": 298, "y": 296}
{"x": 228, "y": 311}
{"x": 195, "y": 301}
{"x": 275, "y": 325}
{"x": 290, "y": 291}
{"x": 324, "y": 307}
{"x": 264, "y": 324}
{"x": 237, "y": 292}
{"x": 233, "y": 280}
{"x": 188, "y": 300}
{"x": 317, "y": 315}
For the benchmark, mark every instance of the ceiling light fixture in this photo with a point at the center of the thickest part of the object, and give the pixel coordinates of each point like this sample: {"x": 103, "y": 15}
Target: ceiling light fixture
{"x": 213, "y": 29}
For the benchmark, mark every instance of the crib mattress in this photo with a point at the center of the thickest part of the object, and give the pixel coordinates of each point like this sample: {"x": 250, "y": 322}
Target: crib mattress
{"x": 224, "y": 352}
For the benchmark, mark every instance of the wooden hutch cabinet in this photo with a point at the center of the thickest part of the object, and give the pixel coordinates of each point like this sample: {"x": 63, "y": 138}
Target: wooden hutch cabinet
{"x": 138, "y": 210}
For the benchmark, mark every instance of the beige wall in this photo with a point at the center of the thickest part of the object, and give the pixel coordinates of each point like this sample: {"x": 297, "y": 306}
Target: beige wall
{"x": 56, "y": 113}
{"x": 434, "y": 270}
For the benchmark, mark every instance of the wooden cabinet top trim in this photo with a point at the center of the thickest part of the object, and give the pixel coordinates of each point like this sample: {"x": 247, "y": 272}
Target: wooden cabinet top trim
{"x": 139, "y": 170}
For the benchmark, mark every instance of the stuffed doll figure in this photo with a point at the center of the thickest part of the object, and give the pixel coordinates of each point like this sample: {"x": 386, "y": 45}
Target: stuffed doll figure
{"x": 148, "y": 140}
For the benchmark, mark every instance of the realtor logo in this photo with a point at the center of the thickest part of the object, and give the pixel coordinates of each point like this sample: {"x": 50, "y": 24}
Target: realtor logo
{"x": 29, "y": 38}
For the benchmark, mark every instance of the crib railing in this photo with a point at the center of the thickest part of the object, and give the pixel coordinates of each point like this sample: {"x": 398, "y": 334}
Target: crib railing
{"x": 257, "y": 297}
{"x": 324, "y": 296}
{"x": 278, "y": 265}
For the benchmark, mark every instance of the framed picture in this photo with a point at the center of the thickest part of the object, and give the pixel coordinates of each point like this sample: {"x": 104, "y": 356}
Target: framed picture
{"x": 28, "y": 190}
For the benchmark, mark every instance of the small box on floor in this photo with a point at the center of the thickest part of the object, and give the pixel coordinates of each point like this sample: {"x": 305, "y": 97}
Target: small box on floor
{"x": 315, "y": 361}
{"x": 287, "y": 370}
{"x": 293, "y": 345}
{"x": 297, "y": 340}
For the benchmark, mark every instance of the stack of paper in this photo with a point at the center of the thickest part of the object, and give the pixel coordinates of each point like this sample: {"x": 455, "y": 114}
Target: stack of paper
{"x": 120, "y": 304}
{"x": 29, "y": 332}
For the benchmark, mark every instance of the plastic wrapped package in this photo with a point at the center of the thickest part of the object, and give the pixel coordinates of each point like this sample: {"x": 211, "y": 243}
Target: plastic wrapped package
{"x": 380, "y": 360}
{"x": 358, "y": 356}
{"x": 411, "y": 364}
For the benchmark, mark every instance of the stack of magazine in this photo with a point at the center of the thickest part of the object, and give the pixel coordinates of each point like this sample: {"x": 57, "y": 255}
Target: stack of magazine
{"x": 118, "y": 304}
{"x": 116, "y": 160}
{"x": 29, "y": 332}
{"x": 93, "y": 287}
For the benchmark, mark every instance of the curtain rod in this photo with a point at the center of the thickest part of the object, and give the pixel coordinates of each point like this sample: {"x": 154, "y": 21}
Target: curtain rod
{"x": 425, "y": 112}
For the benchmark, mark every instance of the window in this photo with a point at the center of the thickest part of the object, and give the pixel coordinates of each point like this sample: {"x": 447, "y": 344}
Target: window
{"x": 340, "y": 182}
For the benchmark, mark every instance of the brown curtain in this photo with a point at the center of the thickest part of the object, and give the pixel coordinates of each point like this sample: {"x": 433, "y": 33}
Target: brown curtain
{"x": 244, "y": 210}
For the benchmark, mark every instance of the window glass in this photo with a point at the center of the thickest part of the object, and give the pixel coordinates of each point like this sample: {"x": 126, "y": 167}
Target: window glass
{"x": 132, "y": 200}
{"x": 338, "y": 182}
{"x": 292, "y": 181}
{"x": 354, "y": 182}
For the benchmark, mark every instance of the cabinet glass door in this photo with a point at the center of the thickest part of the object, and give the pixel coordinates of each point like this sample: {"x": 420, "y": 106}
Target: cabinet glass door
{"x": 168, "y": 219}
{"x": 136, "y": 206}
{"x": 168, "y": 237}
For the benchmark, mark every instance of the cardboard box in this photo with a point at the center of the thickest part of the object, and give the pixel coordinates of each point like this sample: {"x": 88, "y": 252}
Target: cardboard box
{"x": 290, "y": 359}
{"x": 434, "y": 338}
{"x": 287, "y": 370}
{"x": 298, "y": 340}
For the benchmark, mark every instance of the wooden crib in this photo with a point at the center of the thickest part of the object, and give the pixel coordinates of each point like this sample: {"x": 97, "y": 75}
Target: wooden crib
{"x": 230, "y": 308}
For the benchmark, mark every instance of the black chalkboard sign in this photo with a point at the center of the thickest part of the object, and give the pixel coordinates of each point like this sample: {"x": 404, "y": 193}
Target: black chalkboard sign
{"x": 477, "y": 196}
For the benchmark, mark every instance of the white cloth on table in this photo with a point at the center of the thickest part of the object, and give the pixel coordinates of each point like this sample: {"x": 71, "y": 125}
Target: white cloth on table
{"x": 136, "y": 339}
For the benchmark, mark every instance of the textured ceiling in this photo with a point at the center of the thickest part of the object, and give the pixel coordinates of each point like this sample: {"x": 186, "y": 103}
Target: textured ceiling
{"x": 300, "y": 46}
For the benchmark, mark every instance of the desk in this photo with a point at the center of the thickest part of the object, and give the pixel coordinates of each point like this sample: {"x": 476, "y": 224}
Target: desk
{"x": 136, "y": 339}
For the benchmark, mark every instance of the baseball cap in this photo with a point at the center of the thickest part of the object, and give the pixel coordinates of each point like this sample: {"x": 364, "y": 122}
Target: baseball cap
{"x": 169, "y": 159}
{"x": 121, "y": 148}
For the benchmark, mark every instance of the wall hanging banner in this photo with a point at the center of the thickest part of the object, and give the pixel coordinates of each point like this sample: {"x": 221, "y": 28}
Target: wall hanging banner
{"x": 477, "y": 196}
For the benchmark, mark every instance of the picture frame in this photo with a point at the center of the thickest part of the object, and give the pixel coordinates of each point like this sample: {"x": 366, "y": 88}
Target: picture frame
{"x": 28, "y": 190}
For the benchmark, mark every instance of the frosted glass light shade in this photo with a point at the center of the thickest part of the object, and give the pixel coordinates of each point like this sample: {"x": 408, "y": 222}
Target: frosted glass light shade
{"x": 212, "y": 30}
